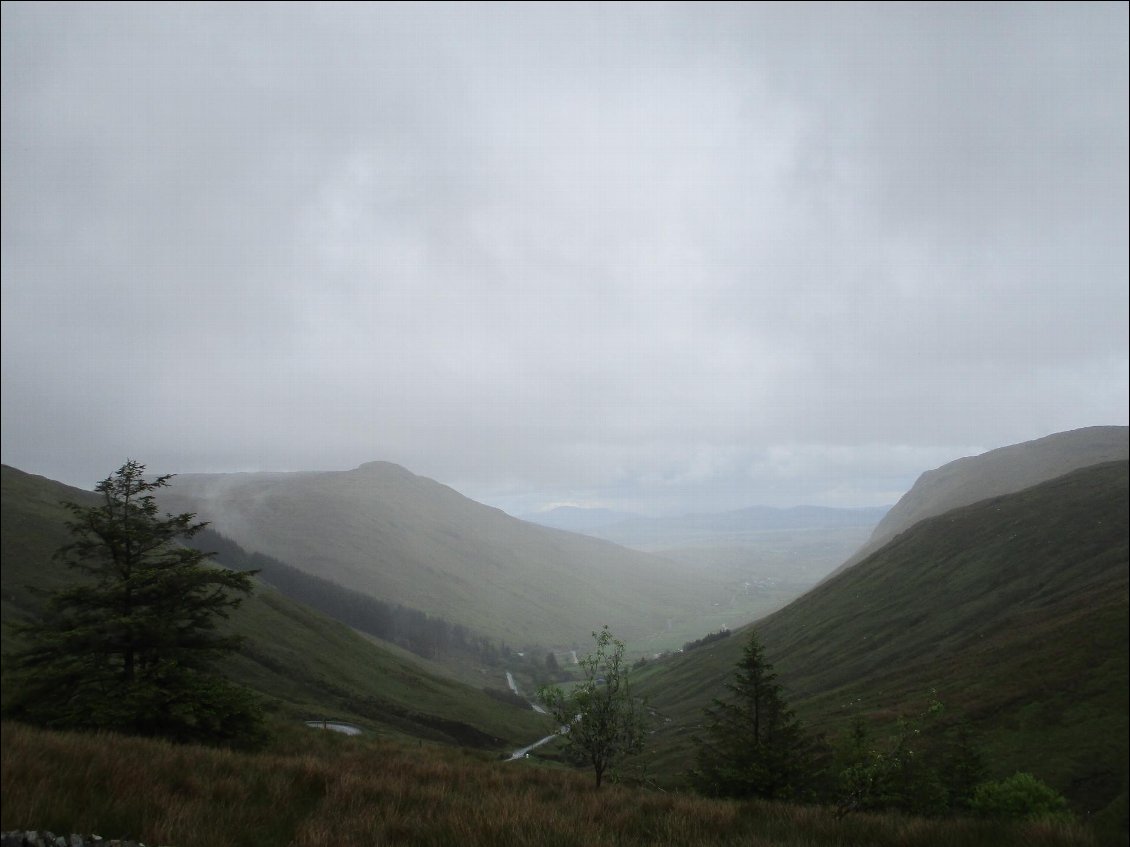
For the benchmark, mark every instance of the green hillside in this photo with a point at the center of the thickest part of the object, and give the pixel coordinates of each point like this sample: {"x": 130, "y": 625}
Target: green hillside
{"x": 1014, "y": 609}
{"x": 384, "y": 531}
{"x": 305, "y": 665}
{"x": 1005, "y": 470}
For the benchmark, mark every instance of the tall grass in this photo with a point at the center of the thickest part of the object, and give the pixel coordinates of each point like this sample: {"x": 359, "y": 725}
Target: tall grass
{"x": 317, "y": 789}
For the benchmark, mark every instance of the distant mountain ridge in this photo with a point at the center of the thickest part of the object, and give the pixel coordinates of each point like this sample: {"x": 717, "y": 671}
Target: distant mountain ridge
{"x": 385, "y": 531}
{"x": 577, "y": 518}
{"x": 1001, "y": 471}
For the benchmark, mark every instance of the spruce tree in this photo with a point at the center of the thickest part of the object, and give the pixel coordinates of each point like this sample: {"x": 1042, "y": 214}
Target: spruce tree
{"x": 132, "y": 645}
{"x": 753, "y": 744}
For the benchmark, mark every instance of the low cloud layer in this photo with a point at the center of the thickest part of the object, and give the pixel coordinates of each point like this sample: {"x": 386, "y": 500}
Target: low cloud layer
{"x": 663, "y": 257}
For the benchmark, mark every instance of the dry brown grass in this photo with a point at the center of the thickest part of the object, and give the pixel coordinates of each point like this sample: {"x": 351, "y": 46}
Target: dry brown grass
{"x": 331, "y": 791}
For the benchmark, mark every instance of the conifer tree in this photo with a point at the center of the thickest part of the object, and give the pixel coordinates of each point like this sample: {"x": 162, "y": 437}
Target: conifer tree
{"x": 131, "y": 646}
{"x": 753, "y": 745}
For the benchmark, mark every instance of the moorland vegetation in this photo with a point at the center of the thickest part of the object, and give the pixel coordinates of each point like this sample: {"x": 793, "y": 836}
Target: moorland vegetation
{"x": 314, "y": 788}
{"x": 894, "y": 766}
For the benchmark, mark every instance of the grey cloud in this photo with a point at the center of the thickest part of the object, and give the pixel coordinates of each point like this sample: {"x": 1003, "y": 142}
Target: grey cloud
{"x": 627, "y": 251}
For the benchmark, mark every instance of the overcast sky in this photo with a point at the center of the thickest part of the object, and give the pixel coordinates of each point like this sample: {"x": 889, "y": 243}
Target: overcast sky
{"x": 668, "y": 258}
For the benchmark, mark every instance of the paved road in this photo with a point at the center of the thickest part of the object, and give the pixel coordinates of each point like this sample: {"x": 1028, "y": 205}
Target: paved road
{"x": 522, "y": 753}
{"x": 514, "y": 687}
{"x": 343, "y": 728}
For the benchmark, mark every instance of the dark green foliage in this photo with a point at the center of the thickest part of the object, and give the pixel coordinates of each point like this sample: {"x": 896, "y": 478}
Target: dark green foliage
{"x": 600, "y": 720}
{"x": 962, "y": 767}
{"x": 131, "y": 645}
{"x": 894, "y": 775}
{"x": 753, "y": 745}
{"x": 914, "y": 769}
{"x": 1020, "y": 797}
{"x": 706, "y": 639}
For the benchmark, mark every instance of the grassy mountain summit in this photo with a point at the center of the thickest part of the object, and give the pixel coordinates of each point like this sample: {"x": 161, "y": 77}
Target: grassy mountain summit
{"x": 304, "y": 664}
{"x": 1013, "y": 608}
{"x": 382, "y": 530}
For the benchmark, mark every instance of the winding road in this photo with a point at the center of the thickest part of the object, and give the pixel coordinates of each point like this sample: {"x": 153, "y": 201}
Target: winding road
{"x": 350, "y": 729}
{"x": 514, "y": 687}
{"x": 524, "y": 751}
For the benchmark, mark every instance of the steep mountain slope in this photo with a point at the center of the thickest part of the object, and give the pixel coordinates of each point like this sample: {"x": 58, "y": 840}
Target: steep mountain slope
{"x": 997, "y": 472}
{"x": 381, "y": 530}
{"x": 305, "y": 664}
{"x": 1014, "y": 609}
